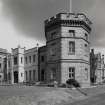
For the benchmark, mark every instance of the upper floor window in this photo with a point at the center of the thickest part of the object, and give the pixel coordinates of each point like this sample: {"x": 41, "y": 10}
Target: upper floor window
{"x": 34, "y": 58}
{"x": 72, "y": 73}
{"x": 71, "y": 47}
{"x": 42, "y": 58}
{"x": 21, "y": 59}
{"x": 21, "y": 74}
{"x": 26, "y": 60}
{"x": 86, "y": 36}
{"x": 15, "y": 60}
{"x": 30, "y": 59}
{"x": 53, "y": 35}
{"x": 72, "y": 33}
{"x": 9, "y": 64}
{"x": 86, "y": 73}
{"x": 0, "y": 65}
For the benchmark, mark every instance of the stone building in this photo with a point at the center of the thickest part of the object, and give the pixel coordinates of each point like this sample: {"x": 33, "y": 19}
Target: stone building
{"x": 68, "y": 48}
{"x": 31, "y": 64}
{"x": 100, "y": 69}
{"x": 22, "y": 65}
{"x": 42, "y": 64}
{"x": 93, "y": 66}
{"x": 97, "y": 67}
{"x": 17, "y": 63}
{"x": 3, "y": 65}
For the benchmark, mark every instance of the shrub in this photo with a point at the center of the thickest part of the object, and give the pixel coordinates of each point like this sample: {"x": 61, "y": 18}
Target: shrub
{"x": 73, "y": 82}
{"x": 63, "y": 85}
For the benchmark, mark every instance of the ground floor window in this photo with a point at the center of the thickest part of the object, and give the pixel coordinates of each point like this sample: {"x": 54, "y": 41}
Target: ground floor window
{"x": 30, "y": 75}
{"x": 26, "y": 75}
{"x": 71, "y": 73}
{"x": 42, "y": 75}
{"x": 34, "y": 75}
{"x": 53, "y": 74}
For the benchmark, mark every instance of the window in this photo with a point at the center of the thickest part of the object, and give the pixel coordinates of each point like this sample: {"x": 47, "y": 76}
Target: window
{"x": 15, "y": 60}
{"x": 86, "y": 36}
{"x": 85, "y": 45}
{"x": 0, "y": 65}
{"x": 42, "y": 58}
{"x": 52, "y": 51}
{"x": 34, "y": 58}
{"x": 26, "y": 75}
{"x": 53, "y": 74}
{"x": 26, "y": 60}
{"x": 34, "y": 75}
{"x": 9, "y": 64}
{"x": 30, "y": 59}
{"x": 71, "y": 47}
{"x": 86, "y": 73}
{"x": 21, "y": 60}
{"x": 53, "y": 35}
{"x": 21, "y": 74}
{"x": 72, "y": 33}
{"x": 72, "y": 73}
{"x": 30, "y": 75}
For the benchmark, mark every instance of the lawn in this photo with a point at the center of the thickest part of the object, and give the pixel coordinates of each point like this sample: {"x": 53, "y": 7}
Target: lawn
{"x": 34, "y": 95}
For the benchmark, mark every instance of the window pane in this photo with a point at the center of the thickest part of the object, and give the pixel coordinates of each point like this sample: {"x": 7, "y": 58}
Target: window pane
{"x": 71, "y": 72}
{"x": 71, "y": 47}
{"x": 72, "y": 33}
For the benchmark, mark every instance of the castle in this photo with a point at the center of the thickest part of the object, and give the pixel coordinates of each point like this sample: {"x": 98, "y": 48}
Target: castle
{"x": 66, "y": 54}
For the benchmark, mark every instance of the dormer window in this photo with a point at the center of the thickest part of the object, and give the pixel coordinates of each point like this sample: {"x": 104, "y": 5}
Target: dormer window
{"x": 72, "y": 33}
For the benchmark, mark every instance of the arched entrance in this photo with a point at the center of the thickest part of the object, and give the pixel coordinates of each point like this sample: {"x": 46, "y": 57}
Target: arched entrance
{"x": 15, "y": 77}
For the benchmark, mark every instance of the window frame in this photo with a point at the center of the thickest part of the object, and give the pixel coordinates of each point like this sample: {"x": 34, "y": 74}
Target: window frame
{"x": 71, "y": 72}
{"x": 71, "y": 47}
{"x": 72, "y": 33}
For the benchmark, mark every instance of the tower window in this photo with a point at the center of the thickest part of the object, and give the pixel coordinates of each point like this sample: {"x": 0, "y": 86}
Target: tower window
{"x": 86, "y": 36}
{"x": 72, "y": 33}
{"x": 85, "y": 45}
{"x": 72, "y": 73}
{"x": 71, "y": 47}
{"x": 53, "y": 35}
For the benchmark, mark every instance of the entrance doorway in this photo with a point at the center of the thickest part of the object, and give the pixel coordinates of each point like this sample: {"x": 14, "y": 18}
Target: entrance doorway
{"x": 15, "y": 77}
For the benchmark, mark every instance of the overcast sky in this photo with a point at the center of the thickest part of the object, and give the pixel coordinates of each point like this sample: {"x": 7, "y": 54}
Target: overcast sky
{"x": 22, "y": 21}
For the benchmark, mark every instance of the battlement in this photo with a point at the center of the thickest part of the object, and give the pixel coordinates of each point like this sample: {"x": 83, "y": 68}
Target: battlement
{"x": 69, "y": 16}
{"x": 70, "y": 19}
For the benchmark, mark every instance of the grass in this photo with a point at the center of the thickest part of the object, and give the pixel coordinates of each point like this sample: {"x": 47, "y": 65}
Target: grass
{"x": 34, "y": 95}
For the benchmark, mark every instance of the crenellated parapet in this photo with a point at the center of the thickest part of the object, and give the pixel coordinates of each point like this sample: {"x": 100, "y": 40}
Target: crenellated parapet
{"x": 68, "y": 19}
